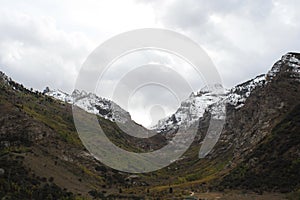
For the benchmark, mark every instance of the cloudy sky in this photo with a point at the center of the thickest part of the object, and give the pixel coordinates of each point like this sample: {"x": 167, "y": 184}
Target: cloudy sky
{"x": 44, "y": 43}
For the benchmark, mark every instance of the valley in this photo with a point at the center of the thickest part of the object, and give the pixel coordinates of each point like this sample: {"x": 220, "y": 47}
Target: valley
{"x": 256, "y": 157}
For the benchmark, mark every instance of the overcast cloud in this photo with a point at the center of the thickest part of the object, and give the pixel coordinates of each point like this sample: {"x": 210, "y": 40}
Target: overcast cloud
{"x": 244, "y": 38}
{"x": 44, "y": 43}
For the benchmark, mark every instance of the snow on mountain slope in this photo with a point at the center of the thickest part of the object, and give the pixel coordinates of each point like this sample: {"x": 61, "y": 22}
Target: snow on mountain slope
{"x": 60, "y": 95}
{"x": 191, "y": 109}
{"x": 91, "y": 103}
{"x": 238, "y": 94}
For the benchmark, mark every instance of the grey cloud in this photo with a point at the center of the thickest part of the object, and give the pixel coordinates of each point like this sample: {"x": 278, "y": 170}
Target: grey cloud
{"x": 35, "y": 52}
{"x": 247, "y": 36}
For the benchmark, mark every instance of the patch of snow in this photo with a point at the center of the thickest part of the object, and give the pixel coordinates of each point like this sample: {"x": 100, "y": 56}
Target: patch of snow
{"x": 60, "y": 95}
{"x": 238, "y": 94}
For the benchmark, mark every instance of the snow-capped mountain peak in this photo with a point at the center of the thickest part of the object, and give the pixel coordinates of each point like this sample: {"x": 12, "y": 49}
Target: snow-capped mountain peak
{"x": 91, "y": 103}
{"x": 210, "y": 98}
{"x": 192, "y": 108}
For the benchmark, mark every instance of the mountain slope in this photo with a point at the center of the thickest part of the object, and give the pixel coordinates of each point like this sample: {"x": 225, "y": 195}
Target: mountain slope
{"x": 255, "y": 133}
{"x": 275, "y": 163}
{"x": 41, "y": 154}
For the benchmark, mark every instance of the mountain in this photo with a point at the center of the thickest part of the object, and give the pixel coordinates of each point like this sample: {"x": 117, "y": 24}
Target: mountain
{"x": 191, "y": 109}
{"x": 260, "y": 138}
{"x": 206, "y": 100}
{"x": 104, "y": 108}
{"x": 91, "y": 103}
{"x": 42, "y": 157}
